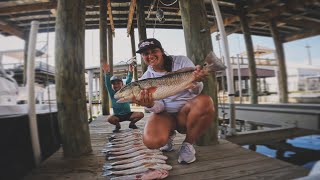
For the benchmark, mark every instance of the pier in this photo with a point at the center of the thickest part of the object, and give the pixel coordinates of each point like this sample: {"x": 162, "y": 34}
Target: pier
{"x": 225, "y": 160}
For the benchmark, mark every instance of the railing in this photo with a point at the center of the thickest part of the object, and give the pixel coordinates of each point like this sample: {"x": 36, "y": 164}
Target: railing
{"x": 259, "y": 61}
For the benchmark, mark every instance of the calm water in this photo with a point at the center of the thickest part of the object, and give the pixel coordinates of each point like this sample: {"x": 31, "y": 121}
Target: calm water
{"x": 303, "y": 151}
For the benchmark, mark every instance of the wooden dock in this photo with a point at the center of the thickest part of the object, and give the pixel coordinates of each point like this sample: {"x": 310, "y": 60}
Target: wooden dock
{"x": 223, "y": 161}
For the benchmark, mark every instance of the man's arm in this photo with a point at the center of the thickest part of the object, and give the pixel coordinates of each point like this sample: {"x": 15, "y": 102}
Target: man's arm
{"x": 130, "y": 74}
{"x": 107, "y": 82}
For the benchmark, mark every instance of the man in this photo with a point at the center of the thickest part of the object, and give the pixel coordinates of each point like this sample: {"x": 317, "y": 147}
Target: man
{"x": 121, "y": 111}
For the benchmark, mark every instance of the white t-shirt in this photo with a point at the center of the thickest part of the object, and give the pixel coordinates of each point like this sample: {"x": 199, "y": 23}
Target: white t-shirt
{"x": 173, "y": 103}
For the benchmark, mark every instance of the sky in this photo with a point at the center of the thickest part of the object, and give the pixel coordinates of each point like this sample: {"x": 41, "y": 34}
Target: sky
{"x": 173, "y": 43}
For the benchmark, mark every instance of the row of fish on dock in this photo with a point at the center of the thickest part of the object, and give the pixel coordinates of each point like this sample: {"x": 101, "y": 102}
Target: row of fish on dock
{"x": 132, "y": 160}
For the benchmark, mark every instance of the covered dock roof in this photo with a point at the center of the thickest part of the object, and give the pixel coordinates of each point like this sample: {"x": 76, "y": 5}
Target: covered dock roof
{"x": 296, "y": 19}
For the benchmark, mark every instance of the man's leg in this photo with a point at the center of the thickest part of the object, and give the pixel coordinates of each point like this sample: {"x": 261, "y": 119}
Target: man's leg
{"x": 112, "y": 119}
{"x": 157, "y": 130}
{"x": 135, "y": 117}
{"x": 195, "y": 117}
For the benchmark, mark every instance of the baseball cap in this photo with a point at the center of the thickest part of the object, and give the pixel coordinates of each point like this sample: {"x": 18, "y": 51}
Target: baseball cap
{"x": 115, "y": 78}
{"x": 148, "y": 44}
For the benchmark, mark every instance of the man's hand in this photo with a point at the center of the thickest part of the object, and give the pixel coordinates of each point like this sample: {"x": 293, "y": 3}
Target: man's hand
{"x": 105, "y": 68}
{"x": 146, "y": 99}
{"x": 131, "y": 67}
{"x": 199, "y": 74}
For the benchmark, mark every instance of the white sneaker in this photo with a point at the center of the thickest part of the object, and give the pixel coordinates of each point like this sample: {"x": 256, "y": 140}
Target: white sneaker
{"x": 187, "y": 153}
{"x": 169, "y": 146}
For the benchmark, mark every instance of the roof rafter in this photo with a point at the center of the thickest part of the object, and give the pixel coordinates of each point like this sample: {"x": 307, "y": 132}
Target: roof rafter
{"x": 250, "y": 9}
{"x": 110, "y": 16}
{"x": 130, "y": 16}
{"x": 11, "y": 29}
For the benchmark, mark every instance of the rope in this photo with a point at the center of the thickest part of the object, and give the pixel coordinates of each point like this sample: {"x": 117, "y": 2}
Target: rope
{"x": 168, "y": 4}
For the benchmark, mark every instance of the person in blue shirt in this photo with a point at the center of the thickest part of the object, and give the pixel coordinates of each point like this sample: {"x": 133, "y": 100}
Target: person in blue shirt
{"x": 121, "y": 111}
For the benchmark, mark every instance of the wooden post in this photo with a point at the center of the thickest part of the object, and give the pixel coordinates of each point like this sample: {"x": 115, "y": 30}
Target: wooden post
{"x": 110, "y": 49}
{"x": 141, "y": 22}
{"x": 282, "y": 80}
{"x": 251, "y": 59}
{"x": 70, "y": 78}
{"x": 133, "y": 50}
{"x": 103, "y": 56}
{"x": 199, "y": 44}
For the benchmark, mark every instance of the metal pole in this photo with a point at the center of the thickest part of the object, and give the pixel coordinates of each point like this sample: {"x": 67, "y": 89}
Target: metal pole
{"x": 239, "y": 79}
{"x": 309, "y": 54}
{"x": 31, "y": 97}
{"x": 90, "y": 83}
{"x": 229, "y": 71}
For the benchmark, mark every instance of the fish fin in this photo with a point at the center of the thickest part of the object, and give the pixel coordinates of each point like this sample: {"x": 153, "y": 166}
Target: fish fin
{"x": 191, "y": 85}
{"x": 213, "y": 63}
{"x": 152, "y": 89}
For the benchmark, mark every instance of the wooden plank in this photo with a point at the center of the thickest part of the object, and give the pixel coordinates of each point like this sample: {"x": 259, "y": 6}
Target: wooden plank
{"x": 130, "y": 16}
{"x": 222, "y": 161}
{"x": 244, "y": 170}
{"x": 203, "y": 166}
{"x": 282, "y": 173}
{"x": 262, "y": 136}
{"x": 110, "y": 16}
{"x": 11, "y": 29}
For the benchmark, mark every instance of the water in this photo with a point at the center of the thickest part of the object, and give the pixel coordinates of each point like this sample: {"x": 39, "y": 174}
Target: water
{"x": 302, "y": 151}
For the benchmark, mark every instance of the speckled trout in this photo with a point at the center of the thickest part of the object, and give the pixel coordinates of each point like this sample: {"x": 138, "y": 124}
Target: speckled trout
{"x": 169, "y": 84}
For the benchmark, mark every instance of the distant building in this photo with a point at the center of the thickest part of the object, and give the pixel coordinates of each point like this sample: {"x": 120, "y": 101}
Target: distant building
{"x": 300, "y": 78}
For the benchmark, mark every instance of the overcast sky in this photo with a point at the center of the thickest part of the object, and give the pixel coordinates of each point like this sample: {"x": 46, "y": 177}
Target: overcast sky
{"x": 173, "y": 42}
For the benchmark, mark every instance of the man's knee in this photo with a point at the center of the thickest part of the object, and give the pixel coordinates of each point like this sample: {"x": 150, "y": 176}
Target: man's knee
{"x": 204, "y": 102}
{"x": 140, "y": 115}
{"x": 154, "y": 142}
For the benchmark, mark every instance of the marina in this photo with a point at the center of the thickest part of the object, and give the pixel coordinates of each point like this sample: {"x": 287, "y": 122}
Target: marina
{"x": 254, "y": 117}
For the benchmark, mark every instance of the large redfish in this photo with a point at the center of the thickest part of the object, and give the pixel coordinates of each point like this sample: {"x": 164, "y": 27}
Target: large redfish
{"x": 167, "y": 85}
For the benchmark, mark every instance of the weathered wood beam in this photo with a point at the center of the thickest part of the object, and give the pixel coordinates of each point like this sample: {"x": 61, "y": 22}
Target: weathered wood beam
{"x": 130, "y": 16}
{"x": 250, "y": 53}
{"x": 300, "y": 35}
{"x": 11, "y": 29}
{"x": 198, "y": 45}
{"x": 141, "y": 23}
{"x": 110, "y": 16}
{"x": 289, "y": 7}
{"x": 282, "y": 78}
{"x": 35, "y": 7}
{"x": 250, "y": 9}
{"x": 103, "y": 56}
{"x": 28, "y": 8}
{"x": 70, "y": 78}
{"x": 133, "y": 51}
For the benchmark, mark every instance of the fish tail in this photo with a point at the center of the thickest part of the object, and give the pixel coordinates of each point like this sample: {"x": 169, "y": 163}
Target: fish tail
{"x": 213, "y": 63}
{"x": 107, "y": 173}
